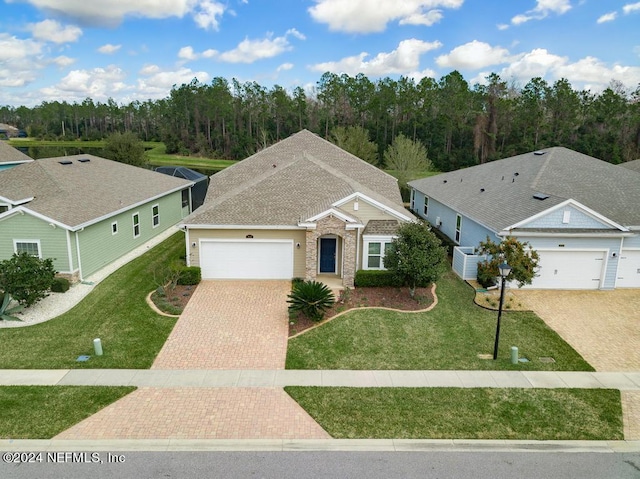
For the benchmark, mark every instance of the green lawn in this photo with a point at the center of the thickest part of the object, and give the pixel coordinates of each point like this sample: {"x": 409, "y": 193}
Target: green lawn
{"x": 454, "y": 413}
{"x": 449, "y": 337}
{"x": 41, "y": 412}
{"x": 115, "y": 311}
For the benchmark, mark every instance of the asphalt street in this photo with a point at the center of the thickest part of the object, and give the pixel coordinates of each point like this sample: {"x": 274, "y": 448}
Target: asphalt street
{"x": 327, "y": 464}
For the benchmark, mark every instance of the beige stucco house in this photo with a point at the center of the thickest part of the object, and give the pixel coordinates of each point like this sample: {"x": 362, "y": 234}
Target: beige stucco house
{"x": 301, "y": 208}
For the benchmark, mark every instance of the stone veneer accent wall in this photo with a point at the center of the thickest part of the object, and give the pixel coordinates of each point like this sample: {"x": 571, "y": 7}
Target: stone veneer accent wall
{"x": 331, "y": 225}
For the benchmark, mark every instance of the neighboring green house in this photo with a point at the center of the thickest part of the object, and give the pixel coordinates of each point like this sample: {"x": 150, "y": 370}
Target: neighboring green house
{"x": 10, "y": 156}
{"x": 84, "y": 211}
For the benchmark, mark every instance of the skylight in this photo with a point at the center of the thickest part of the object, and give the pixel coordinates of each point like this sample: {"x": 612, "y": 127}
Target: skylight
{"x": 66, "y": 162}
{"x": 540, "y": 196}
{"x": 84, "y": 160}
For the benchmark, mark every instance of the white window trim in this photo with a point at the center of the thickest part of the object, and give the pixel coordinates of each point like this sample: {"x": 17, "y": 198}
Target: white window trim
{"x": 114, "y": 231}
{"x": 425, "y": 208}
{"x": 134, "y": 224}
{"x": 36, "y": 241}
{"x": 413, "y": 200}
{"x": 458, "y": 231}
{"x": 365, "y": 250}
{"x": 153, "y": 216}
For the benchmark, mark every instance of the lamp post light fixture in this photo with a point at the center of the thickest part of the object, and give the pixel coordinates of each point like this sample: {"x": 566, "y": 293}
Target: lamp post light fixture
{"x": 504, "y": 269}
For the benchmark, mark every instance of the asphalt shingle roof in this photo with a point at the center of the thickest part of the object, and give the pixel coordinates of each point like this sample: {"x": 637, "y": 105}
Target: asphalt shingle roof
{"x": 290, "y": 182}
{"x": 9, "y": 154}
{"x": 631, "y": 165}
{"x": 500, "y": 193}
{"x": 81, "y": 192}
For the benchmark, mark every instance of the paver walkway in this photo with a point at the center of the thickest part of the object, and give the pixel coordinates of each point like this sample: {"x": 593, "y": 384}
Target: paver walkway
{"x": 230, "y": 325}
{"x": 603, "y": 326}
{"x": 631, "y": 415}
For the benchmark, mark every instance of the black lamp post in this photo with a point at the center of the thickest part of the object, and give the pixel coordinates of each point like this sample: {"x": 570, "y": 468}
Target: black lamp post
{"x": 504, "y": 269}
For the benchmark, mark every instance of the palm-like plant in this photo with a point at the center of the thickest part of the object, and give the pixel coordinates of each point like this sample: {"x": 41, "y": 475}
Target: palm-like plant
{"x": 311, "y": 298}
{"x": 6, "y": 311}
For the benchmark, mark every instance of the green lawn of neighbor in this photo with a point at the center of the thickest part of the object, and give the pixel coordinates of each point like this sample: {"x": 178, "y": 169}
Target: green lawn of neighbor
{"x": 41, "y": 412}
{"x": 115, "y": 311}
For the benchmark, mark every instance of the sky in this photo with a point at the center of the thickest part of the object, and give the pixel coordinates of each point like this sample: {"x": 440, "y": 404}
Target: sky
{"x": 128, "y": 50}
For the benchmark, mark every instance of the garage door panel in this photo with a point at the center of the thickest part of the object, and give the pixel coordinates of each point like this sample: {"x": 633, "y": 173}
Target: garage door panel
{"x": 246, "y": 259}
{"x": 629, "y": 269}
{"x": 569, "y": 270}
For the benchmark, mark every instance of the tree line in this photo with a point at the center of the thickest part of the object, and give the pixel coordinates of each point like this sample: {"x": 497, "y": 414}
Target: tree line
{"x": 459, "y": 124}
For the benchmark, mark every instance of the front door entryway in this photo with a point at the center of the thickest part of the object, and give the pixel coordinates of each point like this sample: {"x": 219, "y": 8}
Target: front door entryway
{"x": 328, "y": 248}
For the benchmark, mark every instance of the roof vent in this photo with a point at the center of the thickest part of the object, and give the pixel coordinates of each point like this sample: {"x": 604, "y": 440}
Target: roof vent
{"x": 481, "y": 190}
{"x": 84, "y": 160}
{"x": 66, "y": 162}
{"x": 444, "y": 181}
{"x": 540, "y": 196}
{"x": 516, "y": 174}
{"x": 539, "y": 153}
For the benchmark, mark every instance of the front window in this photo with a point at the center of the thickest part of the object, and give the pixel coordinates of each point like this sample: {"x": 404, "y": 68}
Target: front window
{"x": 375, "y": 254}
{"x": 136, "y": 225}
{"x": 155, "y": 215}
{"x": 30, "y": 247}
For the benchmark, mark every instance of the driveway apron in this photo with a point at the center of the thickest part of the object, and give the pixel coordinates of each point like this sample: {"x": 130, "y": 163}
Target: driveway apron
{"x": 603, "y": 326}
{"x": 230, "y": 325}
{"x": 226, "y": 325}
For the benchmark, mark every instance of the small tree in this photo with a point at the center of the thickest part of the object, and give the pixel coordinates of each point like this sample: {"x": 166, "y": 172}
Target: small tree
{"x": 26, "y": 278}
{"x": 355, "y": 140}
{"x": 416, "y": 256}
{"x": 404, "y": 156}
{"x": 522, "y": 258}
{"x": 125, "y": 148}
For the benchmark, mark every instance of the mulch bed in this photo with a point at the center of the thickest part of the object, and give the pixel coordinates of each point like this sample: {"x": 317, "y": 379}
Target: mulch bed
{"x": 178, "y": 298}
{"x": 394, "y": 298}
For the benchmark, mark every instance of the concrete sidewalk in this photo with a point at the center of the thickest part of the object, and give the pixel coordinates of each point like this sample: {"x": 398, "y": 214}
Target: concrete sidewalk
{"x": 158, "y": 378}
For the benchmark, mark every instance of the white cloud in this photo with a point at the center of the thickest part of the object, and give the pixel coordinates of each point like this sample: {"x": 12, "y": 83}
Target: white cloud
{"x": 542, "y": 10}
{"x": 20, "y": 60}
{"x": 109, "y": 49}
{"x": 607, "y": 17}
{"x": 64, "y": 61}
{"x": 474, "y": 55}
{"x": 249, "y": 51}
{"x": 631, "y": 7}
{"x": 205, "y": 13}
{"x": 588, "y": 72}
{"x": 12, "y": 48}
{"x": 285, "y": 67}
{"x": 366, "y": 16}
{"x": 96, "y": 83}
{"x": 52, "y": 31}
{"x": 502, "y": 26}
{"x": 156, "y": 83}
{"x": 404, "y": 59}
{"x": 187, "y": 53}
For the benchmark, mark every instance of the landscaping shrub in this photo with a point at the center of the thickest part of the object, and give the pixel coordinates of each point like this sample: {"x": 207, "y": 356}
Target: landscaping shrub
{"x": 189, "y": 275}
{"x": 311, "y": 298}
{"x": 486, "y": 275}
{"x": 26, "y": 278}
{"x": 60, "y": 285}
{"x": 369, "y": 278}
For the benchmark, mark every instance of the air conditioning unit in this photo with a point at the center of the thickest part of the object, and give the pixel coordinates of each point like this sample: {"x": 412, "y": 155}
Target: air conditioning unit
{"x": 438, "y": 222}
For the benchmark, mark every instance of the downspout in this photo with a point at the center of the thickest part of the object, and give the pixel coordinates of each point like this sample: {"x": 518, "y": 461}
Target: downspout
{"x": 69, "y": 251}
{"x": 78, "y": 253}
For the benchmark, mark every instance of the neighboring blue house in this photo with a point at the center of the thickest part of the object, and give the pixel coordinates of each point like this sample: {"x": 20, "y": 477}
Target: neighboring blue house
{"x": 581, "y": 214}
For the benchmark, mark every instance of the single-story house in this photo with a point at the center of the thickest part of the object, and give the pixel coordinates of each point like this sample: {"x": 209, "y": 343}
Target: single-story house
{"x": 85, "y": 211}
{"x": 581, "y": 214}
{"x": 300, "y": 208}
{"x": 10, "y": 156}
{"x": 8, "y": 131}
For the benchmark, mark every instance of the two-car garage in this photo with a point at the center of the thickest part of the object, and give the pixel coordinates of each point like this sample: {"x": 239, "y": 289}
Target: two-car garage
{"x": 246, "y": 259}
{"x": 570, "y": 269}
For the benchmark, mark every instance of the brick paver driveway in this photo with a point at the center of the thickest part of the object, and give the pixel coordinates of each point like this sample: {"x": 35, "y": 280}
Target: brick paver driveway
{"x": 230, "y": 325}
{"x": 603, "y": 326}
{"x": 226, "y": 325}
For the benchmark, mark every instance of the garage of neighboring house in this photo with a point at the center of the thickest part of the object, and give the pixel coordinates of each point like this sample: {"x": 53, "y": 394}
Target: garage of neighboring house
{"x": 579, "y": 268}
{"x": 246, "y": 259}
{"x": 629, "y": 269}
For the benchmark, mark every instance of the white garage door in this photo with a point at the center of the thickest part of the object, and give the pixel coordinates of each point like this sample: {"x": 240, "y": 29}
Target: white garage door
{"x": 246, "y": 259}
{"x": 629, "y": 269}
{"x": 568, "y": 269}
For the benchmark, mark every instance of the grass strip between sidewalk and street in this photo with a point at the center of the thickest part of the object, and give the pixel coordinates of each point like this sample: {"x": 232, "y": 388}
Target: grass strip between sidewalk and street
{"x": 451, "y": 336}
{"x": 455, "y": 413}
{"x": 41, "y": 412}
{"x": 115, "y": 311}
